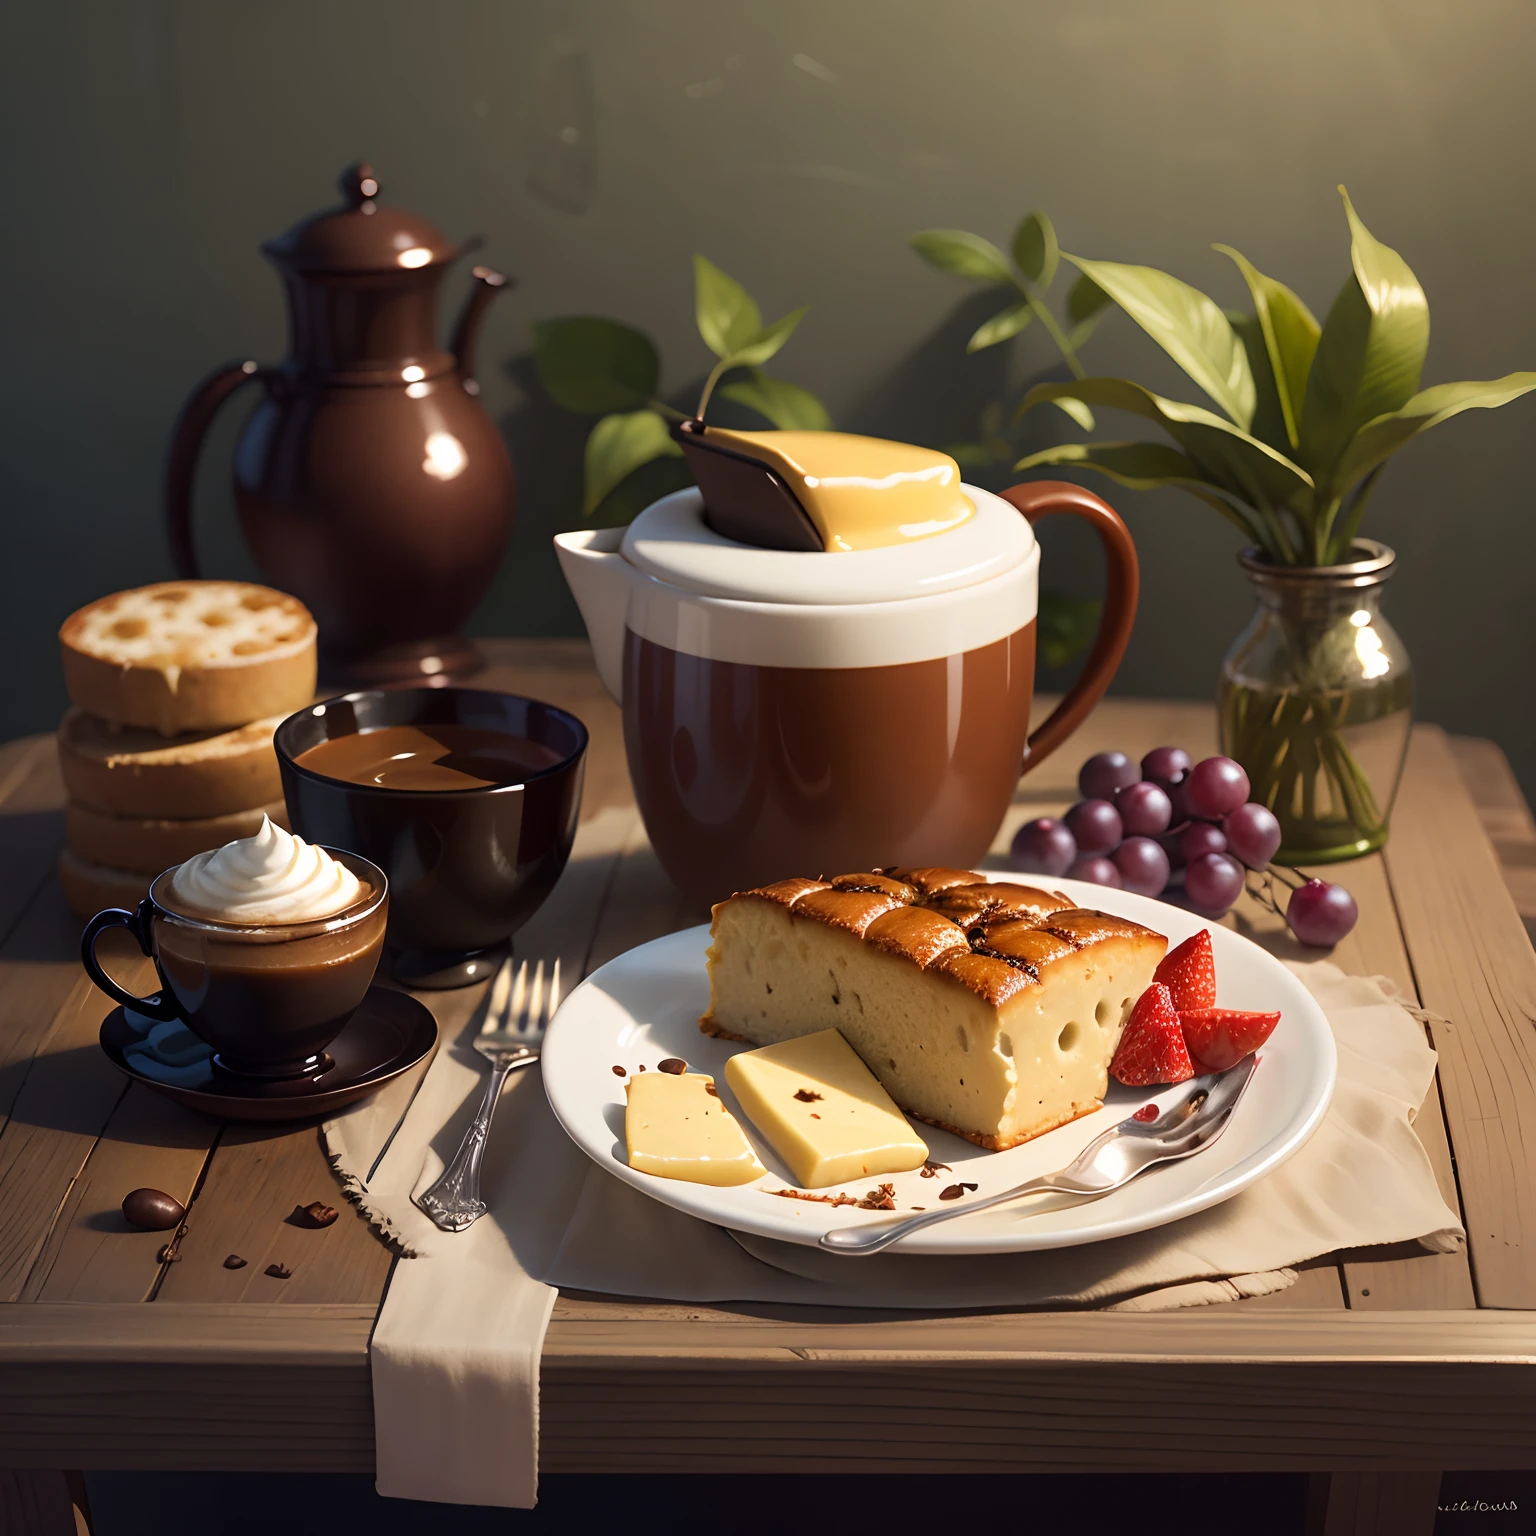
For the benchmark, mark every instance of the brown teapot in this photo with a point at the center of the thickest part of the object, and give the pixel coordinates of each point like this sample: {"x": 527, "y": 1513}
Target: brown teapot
{"x": 370, "y": 481}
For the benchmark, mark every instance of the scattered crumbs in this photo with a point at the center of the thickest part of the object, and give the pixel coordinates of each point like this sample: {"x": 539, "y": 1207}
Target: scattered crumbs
{"x": 711, "y": 1090}
{"x": 620, "y": 1072}
{"x": 642, "y": 1066}
{"x": 807, "y": 1095}
{"x": 234, "y": 1261}
{"x": 954, "y": 1191}
{"x": 841, "y": 1198}
{"x": 279, "y": 1271}
{"x": 919, "y": 1207}
{"x": 881, "y": 1199}
{"x": 931, "y": 1169}
{"x": 814, "y": 1115}
{"x": 673, "y": 1064}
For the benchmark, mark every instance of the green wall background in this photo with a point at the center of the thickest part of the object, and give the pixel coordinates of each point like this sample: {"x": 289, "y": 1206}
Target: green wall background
{"x": 148, "y": 146}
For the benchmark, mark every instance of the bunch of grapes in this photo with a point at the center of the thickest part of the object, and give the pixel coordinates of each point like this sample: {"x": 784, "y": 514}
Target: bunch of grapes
{"x": 1173, "y": 822}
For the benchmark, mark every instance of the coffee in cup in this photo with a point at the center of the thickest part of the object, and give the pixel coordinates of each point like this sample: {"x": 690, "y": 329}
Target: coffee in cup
{"x": 264, "y": 949}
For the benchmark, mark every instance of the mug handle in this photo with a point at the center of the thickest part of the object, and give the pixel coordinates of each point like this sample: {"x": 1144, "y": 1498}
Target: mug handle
{"x": 158, "y": 1007}
{"x": 1044, "y": 498}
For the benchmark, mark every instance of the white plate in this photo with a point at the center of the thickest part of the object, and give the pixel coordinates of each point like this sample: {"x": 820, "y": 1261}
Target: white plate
{"x": 645, "y": 1006}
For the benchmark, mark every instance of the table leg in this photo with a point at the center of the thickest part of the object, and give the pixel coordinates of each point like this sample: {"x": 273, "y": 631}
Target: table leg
{"x": 45, "y": 1503}
{"x": 1372, "y": 1503}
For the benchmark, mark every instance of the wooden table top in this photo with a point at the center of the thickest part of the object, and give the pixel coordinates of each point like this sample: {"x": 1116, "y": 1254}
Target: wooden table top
{"x": 110, "y": 1357}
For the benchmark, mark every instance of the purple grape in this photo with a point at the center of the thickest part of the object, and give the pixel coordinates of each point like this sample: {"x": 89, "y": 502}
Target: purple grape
{"x": 1096, "y": 871}
{"x": 1166, "y": 765}
{"x": 1320, "y": 914}
{"x": 1253, "y": 834}
{"x": 1201, "y": 837}
{"x": 1143, "y": 866}
{"x": 1216, "y": 785}
{"x": 1145, "y": 809}
{"x": 1213, "y": 882}
{"x": 1178, "y": 801}
{"x": 1104, "y": 773}
{"x": 1043, "y": 847}
{"x": 1172, "y": 843}
{"x": 1096, "y": 826}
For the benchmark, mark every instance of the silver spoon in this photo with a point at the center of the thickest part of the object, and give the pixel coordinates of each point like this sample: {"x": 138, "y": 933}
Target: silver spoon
{"x": 1188, "y": 1126}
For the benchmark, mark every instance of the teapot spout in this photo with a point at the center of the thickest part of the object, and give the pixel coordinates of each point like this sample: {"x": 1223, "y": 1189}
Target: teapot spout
{"x": 486, "y": 284}
{"x": 598, "y": 576}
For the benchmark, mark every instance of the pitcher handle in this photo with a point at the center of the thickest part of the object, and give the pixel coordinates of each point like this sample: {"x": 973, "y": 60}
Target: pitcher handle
{"x": 160, "y": 1006}
{"x": 1044, "y": 498}
{"x": 186, "y": 444}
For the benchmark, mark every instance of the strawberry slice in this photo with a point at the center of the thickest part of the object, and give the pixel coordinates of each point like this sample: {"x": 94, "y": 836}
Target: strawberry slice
{"x": 1189, "y": 973}
{"x": 1152, "y": 1049}
{"x": 1219, "y": 1038}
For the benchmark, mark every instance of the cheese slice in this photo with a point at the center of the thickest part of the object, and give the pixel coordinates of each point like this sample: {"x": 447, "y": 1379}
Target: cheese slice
{"x": 676, "y": 1128}
{"x": 823, "y": 1112}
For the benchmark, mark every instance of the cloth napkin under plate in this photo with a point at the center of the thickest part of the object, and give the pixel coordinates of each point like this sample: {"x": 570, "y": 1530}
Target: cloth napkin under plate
{"x": 455, "y": 1353}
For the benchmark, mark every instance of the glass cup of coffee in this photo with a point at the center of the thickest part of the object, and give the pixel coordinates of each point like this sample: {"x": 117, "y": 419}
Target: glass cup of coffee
{"x": 268, "y": 997}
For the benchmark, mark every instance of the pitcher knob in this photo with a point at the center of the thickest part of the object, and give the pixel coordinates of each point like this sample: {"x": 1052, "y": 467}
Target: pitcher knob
{"x": 358, "y": 184}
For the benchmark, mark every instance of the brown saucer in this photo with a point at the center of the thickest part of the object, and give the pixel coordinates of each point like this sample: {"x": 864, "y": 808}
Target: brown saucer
{"x": 387, "y": 1035}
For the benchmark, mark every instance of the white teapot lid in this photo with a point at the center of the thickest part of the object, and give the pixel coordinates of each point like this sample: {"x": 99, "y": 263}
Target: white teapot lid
{"x": 671, "y": 541}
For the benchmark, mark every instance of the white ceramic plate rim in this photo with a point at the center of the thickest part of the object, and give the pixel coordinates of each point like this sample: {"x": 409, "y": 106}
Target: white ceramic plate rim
{"x": 595, "y": 1029}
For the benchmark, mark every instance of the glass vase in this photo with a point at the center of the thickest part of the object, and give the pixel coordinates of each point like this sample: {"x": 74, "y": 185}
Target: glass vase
{"x": 1316, "y": 702}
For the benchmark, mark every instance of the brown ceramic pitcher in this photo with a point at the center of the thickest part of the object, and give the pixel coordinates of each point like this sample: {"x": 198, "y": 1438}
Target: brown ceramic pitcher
{"x": 797, "y": 713}
{"x": 370, "y": 481}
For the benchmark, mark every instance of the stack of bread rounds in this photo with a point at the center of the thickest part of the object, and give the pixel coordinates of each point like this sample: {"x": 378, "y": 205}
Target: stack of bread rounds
{"x": 177, "y": 689}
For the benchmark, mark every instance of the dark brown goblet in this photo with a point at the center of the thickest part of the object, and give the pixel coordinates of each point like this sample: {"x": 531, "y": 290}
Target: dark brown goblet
{"x": 467, "y": 867}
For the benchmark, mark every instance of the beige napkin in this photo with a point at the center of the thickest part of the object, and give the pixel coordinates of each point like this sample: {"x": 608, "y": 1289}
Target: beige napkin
{"x": 456, "y": 1348}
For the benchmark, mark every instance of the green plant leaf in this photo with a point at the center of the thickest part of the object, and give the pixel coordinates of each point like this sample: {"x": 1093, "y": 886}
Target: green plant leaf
{"x": 1290, "y": 338}
{"x": 1231, "y": 460}
{"x": 726, "y": 314}
{"x": 636, "y": 492}
{"x": 1370, "y": 354}
{"x": 1145, "y": 467}
{"x": 617, "y": 446}
{"x": 759, "y": 348}
{"x": 1002, "y": 326}
{"x": 1086, "y": 300}
{"x": 1066, "y": 626}
{"x": 963, "y": 254}
{"x": 1378, "y": 440}
{"x": 787, "y": 406}
{"x": 1077, "y": 411}
{"x": 592, "y": 365}
{"x": 1187, "y": 325}
{"x": 1035, "y": 250}
{"x": 1268, "y": 416}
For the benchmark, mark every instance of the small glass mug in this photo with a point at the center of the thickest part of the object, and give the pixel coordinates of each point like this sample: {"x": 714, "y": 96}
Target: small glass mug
{"x": 268, "y": 998}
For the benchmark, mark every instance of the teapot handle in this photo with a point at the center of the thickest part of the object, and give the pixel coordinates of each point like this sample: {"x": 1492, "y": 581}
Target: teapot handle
{"x": 186, "y": 444}
{"x": 1044, "y": 498}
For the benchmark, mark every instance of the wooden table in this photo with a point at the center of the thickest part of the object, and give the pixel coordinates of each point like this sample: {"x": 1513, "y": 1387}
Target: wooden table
{"x": 1374, "y": 1372}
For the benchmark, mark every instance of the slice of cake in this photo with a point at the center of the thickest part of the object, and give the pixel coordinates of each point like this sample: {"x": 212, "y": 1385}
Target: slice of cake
{"x": 989, "y": 1009}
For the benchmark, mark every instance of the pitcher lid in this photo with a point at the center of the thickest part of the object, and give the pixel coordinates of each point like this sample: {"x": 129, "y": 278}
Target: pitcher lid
{"x": 672, "y": 541}
{"x": 363, "y": 236}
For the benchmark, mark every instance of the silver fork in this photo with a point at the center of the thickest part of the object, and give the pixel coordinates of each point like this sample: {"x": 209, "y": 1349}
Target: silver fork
{"x": 510, "y": 1037}
{"x": 1186, "y": 1127}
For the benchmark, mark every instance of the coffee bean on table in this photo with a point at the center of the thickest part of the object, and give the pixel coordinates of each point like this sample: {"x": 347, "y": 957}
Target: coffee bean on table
{"x": 278, "y": 1271}
{"x": 673, "y": 1064}
{"x": 152, "y": 1210}
{"x": 316, "y": 1214}
{"x": 234, "y": 1261}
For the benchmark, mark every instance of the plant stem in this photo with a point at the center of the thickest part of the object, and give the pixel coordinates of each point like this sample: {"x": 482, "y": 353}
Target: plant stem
{"x": 663, "y": 409}
{"x": 715, "y": 375}
{"x": 1048, "y": 320}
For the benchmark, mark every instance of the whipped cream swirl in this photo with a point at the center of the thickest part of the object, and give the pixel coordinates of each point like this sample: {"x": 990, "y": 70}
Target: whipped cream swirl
{"x": 270, "y": 877}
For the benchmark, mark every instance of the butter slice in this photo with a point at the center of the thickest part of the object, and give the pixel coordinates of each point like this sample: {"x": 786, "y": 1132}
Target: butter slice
{"x": 676, "y": 1128}
{"x": 822, "y": 1111}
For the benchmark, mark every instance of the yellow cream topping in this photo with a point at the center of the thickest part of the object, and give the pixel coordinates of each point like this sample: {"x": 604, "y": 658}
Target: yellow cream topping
{"x": 676, "y": 1128}
{"x": 860, "y": 492}
{"x": 823, "y": 1112}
